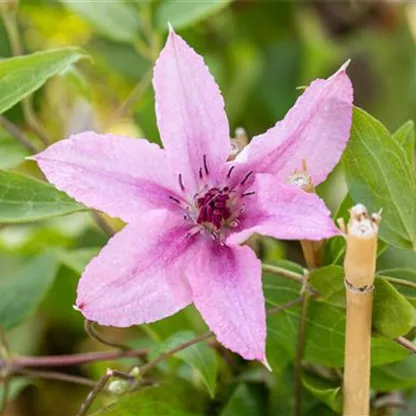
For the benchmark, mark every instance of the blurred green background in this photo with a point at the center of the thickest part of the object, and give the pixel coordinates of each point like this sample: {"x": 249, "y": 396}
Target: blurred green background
{"x": 260, "y": 52}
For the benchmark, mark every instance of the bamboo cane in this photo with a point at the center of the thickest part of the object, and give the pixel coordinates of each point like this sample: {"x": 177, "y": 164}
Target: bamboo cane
{"x": 359, "y": 264}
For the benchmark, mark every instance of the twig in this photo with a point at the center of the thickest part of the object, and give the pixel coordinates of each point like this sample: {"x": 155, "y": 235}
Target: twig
{"x": 135, "y": 95}
{"x": 103, "y": 223}
{"x": 5, "y": 396}
{"x": 102, "y": 382}
{"x": 145, "y": 368}
{"x": 17, "y": 134}
{"x": 404, "y": 342}
{"x": 92, "y": 333}
{"x": 284, "y": 306}
{"x": 71, "y": 360}
{"x": 33, "y": 121}
{"x": 55, "y": 375}
{"x": 280, "y": 271}
{"x": 5, "y": 352}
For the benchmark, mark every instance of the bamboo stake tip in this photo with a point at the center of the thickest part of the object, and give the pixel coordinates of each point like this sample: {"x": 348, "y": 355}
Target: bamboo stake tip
{"x": 361, "y": 224}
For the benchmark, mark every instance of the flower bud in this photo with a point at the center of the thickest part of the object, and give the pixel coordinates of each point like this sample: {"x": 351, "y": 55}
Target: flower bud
{"x": 118, "y": 386}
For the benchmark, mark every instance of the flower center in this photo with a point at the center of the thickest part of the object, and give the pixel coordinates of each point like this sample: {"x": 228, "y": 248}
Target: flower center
{"x": 217, "y": 209}
{"x": 214, "y": 208}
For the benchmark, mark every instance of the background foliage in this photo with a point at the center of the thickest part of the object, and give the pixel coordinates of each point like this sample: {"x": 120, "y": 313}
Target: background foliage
{"x": 88, "y": 66}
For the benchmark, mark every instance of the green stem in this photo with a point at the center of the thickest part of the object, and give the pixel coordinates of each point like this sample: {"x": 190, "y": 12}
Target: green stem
{"x": 280, "y": 271}
{"x": 400, "y": 282}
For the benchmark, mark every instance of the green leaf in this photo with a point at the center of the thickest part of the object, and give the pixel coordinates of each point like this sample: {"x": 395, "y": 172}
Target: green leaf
{"x": 24, "y": 199}
{"x": 114, "y": 19}
{"x": 329, "y": 282}
{"x": 396, "y": 376}
{"x": 241, "y": 403}
{"x": 405, "y": 136}
{"x": 15, "y": 387}
{"x": 325, "y": 323}
{"x": 198, "y": 356}
{"x": 77, "y": 259}
{"x": 393, "y": 315}
{"x": 324, "y": 390}
{"x": 22, "y": 292}
{"x": 150, "y": 401}
{"x": 181, "y": 14}
{"x": 23, "y": 75}
{"x": 12, "y": 153}
{"x": 379, "y": 175}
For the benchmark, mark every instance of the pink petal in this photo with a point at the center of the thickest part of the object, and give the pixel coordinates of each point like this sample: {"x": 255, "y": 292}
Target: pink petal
{"x": 317, "y": 128}
{"x": 227, "y": 291}
{"x": 120, "y": 176}
{"x": 190, "y": 112}
{"x": 284, "y": 212}
{"x": 138, "y": 276}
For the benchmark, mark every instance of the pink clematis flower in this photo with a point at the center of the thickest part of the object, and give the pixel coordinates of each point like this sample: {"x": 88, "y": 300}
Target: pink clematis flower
{"x": 187, "y": 209}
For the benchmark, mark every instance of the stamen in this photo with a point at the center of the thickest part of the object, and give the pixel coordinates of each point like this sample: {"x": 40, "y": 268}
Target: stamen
{"x": 205, "y": 165}
{"x": 246, "y": 177}
{"x": 248, "y": 193}
{"x": 194, "y": 231}
{"x": 230, "y": 171}
{"x": 174, "y": 199}
{"x": 200, "y": 173}
{"x": 180, "y": 182}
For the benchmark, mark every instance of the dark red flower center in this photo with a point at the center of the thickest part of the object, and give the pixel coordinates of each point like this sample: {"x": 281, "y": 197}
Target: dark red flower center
{"x": 214, "y": 208}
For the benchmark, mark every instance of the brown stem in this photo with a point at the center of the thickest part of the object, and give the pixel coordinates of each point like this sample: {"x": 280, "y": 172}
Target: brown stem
{"x": 280, "y": 271}
{"x": 284, "y": 306}
{"x": 4, "y": 352}
{"x": 17, "y": 134}
{"x": 404, "y": 342}
{"x": 145, "y": 368}
{"x": 33, "y": 121}
{"x": 102, "y": 223}
{"x": 71, "y": 360}
{"x": 55, "y": 375}
{"x": 92, "y": 333}
{"x": 5, "y": 396}
{"x": 100, "y": 385}
{"x": 137, "y": 92}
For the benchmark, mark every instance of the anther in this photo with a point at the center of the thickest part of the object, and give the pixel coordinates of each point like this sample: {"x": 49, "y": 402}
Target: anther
{"x": 230, "y": 171}
{"x": 180, "y": 182}
{"x": 246, "y": 177}
{"x": 248, "y": 193}
{"x": 200, "y": 173}
{"x": 205, "y": 165}
{"x": 174, "y": 199}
